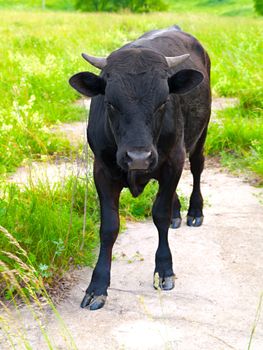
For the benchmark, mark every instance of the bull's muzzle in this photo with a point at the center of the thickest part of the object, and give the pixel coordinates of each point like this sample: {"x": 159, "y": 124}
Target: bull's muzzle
{"x": 138, "y": 160}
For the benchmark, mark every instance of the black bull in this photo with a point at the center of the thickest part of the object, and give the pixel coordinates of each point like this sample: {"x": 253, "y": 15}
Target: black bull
{"x": 151, "y": 105}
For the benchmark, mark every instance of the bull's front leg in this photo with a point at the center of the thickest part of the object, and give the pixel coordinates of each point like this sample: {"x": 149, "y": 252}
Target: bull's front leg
{"x": 109, "y": 192}
{"x": 162, "y": 210}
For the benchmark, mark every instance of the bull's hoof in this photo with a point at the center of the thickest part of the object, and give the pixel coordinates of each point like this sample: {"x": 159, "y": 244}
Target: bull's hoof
{"x": 165, "y": 283}
{"x": 194, "y": 221}
{"x": 93, "y": 302}
{"x": 176, "y": 222}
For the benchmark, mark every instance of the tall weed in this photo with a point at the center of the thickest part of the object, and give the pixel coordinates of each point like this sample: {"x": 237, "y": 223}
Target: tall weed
{"x": 22, "y": 283}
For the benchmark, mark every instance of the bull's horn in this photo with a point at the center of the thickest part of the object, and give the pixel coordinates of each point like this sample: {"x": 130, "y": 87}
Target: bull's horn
{"x": 99, "y": 62}
{"x": 174, "y": 61}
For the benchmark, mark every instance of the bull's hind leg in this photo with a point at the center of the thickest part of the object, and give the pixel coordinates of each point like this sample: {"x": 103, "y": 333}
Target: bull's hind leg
{"x": 109, "y": 193}
{"x": 195, "y": 212}
{"x": 176, "y": 212}
{"x": 162, "y": 212}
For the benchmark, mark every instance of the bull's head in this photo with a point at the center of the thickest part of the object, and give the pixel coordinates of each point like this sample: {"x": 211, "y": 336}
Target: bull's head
{"x": 136, "y": 85}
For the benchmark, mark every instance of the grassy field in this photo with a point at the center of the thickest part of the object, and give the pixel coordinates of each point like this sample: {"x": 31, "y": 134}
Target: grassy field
{"x": 39, "y": 52}
{"x": 37, "y": 4}
{"x": 42, "y": 50}
{"x": 218, "y": 7}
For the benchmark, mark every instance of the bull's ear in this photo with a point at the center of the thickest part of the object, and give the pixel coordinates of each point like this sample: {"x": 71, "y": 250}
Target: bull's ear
{"x": 184, "y": 81}
{"x": 88, "y": 84}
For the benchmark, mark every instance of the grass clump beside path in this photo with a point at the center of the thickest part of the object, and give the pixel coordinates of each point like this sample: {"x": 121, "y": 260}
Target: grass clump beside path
{"x": 47, "y": 222}
{"x": 236, "y": 133}
{"x": 55, "y": 227}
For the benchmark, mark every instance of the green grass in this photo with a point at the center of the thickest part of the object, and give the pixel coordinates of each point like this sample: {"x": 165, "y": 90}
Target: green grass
{"x": 48, "y": 224}
{"x": 37, "y": 4}
{"x": 218, "y": 7}
{"x": 237, "y": 72}
{"x": 238, "y": 139}
{"x": 42, "y": 50}
{"x": 34, "y": 89}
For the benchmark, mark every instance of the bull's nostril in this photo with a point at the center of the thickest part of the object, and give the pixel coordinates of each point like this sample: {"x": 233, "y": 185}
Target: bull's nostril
{"x": 138, "y": 160}
{"x": 139, "y": 155}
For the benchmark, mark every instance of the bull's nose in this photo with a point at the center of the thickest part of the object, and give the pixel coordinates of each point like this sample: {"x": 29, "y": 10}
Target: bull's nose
{"x": 139, "y": 160}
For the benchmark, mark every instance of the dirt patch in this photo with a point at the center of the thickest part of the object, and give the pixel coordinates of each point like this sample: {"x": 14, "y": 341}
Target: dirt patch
{"x": 220, "y": 103}
{"x": 75, "y": 132}
{"x": 50, "y": 173}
